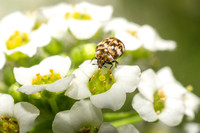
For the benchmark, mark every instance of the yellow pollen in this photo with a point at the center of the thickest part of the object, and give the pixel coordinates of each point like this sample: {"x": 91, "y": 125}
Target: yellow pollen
{"x": 16, "y": 32}
{"x": 38, "y": 74}
{"x": 161, "y": 93}
{"x": 93, "y": 76}
{"x": 45, "y": 77}
{"x": 38, "y": 78}
{"x": 25, "y": 35}
{"x": 94, "y": 89}
{"x": 108, "y": 71}
{"x": 99, "y": 70}
{"x": 77, "y": 14}
{"x": 111, "y": 76}
{"x": 102, "y": 78}
{"x": 18, "y": 39}
{"x": 58, "y": 76}
{"x": 158, "y": 112}
{"x": 190, "y": 88}
{"x": 5, "y": 124}
{"x": 51, "y": 70}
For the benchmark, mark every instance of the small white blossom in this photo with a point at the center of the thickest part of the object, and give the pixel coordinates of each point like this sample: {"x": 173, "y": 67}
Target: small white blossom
{"x": 191, "y": 101}
{"x": 83, "y": 19}
{"x": 158, "y": 100}
{"x": 126, "y": 79}
{"x": 82, "y": 113}
{"x": 135, "y": 36}
{"x": 192, "y": 127}
{"x": 16, "y": 35}
{"x": 24, "y": 113}
{"x": 49, "y": 74}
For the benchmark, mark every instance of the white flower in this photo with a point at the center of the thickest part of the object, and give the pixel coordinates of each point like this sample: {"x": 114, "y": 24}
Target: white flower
{"x": 83, "y": 19}
{"x": 2, "y": 59}
{"x": 158, "y": 100}
{"x": 135, "y": 36}
{"x": 191, "y": 101}
{"x": 16, "y": 35}
{"x": 82, "y": 115}
{"x": 20, "y": 117}
{"x": 49, "y": 74}
{"x": 192, "y": 127}
{"x": 107, "y": 91}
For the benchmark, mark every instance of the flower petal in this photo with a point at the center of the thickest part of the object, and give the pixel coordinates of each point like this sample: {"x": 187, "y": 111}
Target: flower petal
{"x": 30, "y": 89}
{"x": 173, "y": 112}
{"x": 127, "y": 129}
{"x": 107, "y": 128}
{"x": 78, "y": 88}
{"x": 84, "y": 112}
{"x": 165, "y": 44}
{"x": 128, "y": 77}
{"x": 6, "y": 105}
{"x": 61, "y": 84}
{"x": 84, "y": 29}
{"x": 192, "y": 103}
{"x": 149, "y": 84}
{"x": 88, "y": 68}
{"x": 61, "y": 123}
{"x": 144, "y": 108}
{"x": 25, "y": 113}
{"x": 111, "y": 99}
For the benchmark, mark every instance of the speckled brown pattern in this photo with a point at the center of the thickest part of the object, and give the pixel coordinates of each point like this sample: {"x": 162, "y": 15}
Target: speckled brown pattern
{"x": 108, "y": 50}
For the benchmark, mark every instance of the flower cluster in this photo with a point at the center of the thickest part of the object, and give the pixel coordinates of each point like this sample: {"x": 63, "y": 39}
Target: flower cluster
{"x": 49, "y": 81}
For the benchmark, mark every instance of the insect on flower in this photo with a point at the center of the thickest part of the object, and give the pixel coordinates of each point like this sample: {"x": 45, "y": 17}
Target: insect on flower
{"x": 108, "y": 50}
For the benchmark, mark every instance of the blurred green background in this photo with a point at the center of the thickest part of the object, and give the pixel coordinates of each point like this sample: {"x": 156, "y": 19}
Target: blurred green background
{"x": 177, "y": 20}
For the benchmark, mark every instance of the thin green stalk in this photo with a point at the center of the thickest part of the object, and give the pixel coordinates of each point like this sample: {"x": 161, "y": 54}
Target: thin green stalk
{"x": 130, "y": 120}
{"x": 115, "y": 116}
{"x": 53, "y": 104}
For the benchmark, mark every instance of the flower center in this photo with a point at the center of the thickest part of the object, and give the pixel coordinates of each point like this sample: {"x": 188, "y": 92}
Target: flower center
{"x": 8, "y": 125}
{"x": 132, "y": 32}
{"x": 159, "y": 101}
{"x": 101, "y": 81}
{"x": 78, "y": 15}
{"x": 46, "y": 79}
{"x": 17, "y": 39}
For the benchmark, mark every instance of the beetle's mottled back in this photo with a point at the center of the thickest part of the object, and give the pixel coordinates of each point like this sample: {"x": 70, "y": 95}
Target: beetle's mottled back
{"x": 108, "y": 50}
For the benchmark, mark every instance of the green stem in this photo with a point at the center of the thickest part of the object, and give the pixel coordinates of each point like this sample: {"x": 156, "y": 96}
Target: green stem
{"x": 115, "y": 116}
{"x": 130, "y": 120}
{"x": 53, "y": 104}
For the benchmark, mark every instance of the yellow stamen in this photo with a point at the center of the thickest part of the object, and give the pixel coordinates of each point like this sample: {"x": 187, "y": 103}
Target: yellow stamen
{"x": 132, "y": 32}
{"x": 11, "y": 126}
{"x": 18, "y": 39}
{"x": 2, "y": 117}
{"x": 67, "y": 15}
{"x": 16, "y": 131}
{"x": 58, "y": 76}
{"x": 94, "y": 89}
{"x": 25, "y": 35}
{"x": 102, "y": 78}
{"x": 104, "y": 83}
{"x": 99, "y": 70}
{"x": 38, "y": 74}
{"x": 51, "y": 70}
{"x": 190, "y": 88}
{"x": 51, "y": 76}
{"x": 108, "y": 71}
{"x": 77, "y": 15}
{"x": 10, "y": 120}
{"x": 5, "y": 124}
{"x": 158, "y": 112}
{"x": 38, "y": 78}
{"x": 111, "y": 76}
{"x": 93, "y": 77}
{"x": 161, "y": 93}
